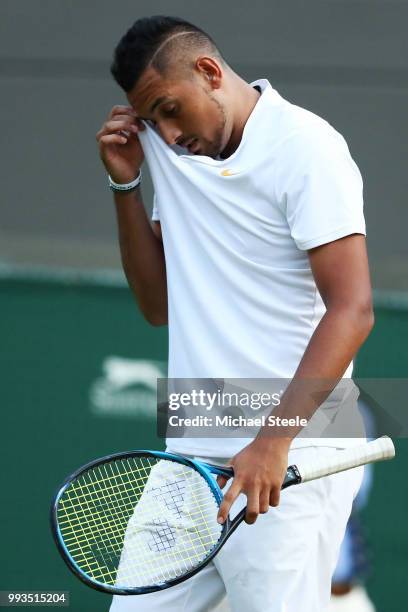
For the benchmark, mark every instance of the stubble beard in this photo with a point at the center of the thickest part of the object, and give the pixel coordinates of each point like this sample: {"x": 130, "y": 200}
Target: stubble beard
{"x": 217, "y": 144}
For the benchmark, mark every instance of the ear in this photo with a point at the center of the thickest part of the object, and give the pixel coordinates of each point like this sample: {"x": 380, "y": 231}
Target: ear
{"x": 210, "y": 70}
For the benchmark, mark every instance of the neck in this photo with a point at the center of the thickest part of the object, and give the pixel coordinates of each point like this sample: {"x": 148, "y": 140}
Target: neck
{"x": 244, "y": 99}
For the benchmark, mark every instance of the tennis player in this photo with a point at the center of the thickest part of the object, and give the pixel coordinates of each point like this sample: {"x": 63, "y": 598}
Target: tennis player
{"x": 256, "y": 259}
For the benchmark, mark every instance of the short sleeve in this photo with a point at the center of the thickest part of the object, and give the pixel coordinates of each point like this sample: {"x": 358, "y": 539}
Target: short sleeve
{"x": 320, "y": 188}
{"x": 155, "y": 210}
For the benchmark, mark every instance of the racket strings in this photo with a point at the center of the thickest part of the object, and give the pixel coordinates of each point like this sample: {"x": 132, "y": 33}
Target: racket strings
{"x": 92, "y": 544}
{"x": 138, "y": 522}
{"x": 142, "y": 569}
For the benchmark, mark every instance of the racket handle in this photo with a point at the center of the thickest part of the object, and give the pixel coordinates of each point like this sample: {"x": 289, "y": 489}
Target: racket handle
{"x": 377, "y": 450}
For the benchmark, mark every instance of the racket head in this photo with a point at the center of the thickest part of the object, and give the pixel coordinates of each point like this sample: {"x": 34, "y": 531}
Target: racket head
{"x": 82, "y": 547}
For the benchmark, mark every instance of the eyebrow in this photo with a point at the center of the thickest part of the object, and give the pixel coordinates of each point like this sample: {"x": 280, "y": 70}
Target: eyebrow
{"x": 157, "y": 102}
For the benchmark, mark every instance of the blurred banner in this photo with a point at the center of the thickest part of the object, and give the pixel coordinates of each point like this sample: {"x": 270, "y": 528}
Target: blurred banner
{"x": 79, "y": 368}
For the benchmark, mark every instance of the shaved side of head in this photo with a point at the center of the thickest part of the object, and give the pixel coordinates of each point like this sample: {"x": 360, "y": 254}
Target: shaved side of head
{"x": 168, "y": 44}
{"x": 178, "y": 53}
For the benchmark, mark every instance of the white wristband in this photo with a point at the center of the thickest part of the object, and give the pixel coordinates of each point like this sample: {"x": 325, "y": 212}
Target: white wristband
{"x": 125, "y": 186}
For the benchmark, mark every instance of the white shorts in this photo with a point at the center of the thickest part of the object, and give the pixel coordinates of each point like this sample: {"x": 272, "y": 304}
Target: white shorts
{"x": 282, "y": 563}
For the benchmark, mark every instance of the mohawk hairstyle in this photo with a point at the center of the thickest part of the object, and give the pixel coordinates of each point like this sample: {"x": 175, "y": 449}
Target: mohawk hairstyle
{"x": 157, "y": 40}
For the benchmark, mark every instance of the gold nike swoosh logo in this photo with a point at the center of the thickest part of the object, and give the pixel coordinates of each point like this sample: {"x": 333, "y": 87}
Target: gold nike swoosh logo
{"x": 228, "y": 172}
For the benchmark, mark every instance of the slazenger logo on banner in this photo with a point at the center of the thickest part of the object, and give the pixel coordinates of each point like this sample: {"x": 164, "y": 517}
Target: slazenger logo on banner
{"x": 127, "y": 388}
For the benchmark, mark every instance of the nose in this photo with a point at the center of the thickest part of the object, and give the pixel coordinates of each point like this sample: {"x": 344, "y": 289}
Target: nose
{"x": 169, "y": 132}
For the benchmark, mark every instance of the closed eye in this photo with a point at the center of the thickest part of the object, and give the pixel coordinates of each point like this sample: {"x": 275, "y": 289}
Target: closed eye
{"x": 170, "y": 112}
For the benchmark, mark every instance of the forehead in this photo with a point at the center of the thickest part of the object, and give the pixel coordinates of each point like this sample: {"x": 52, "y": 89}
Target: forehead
{"x": 151, "y": 87}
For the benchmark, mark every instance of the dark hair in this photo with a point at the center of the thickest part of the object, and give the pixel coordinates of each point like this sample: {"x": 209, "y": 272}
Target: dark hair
{"x": 138, "y": 46}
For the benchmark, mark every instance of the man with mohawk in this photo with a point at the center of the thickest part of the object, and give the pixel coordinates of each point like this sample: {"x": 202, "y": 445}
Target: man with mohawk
{"x": 256, "y": 259}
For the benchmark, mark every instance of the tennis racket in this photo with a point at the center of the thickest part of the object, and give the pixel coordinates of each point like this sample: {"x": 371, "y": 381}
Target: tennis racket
{"x": 142, "y": 521}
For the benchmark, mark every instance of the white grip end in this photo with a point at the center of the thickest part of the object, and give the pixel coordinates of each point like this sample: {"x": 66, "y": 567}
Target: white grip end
{"x": 377, "y": 450}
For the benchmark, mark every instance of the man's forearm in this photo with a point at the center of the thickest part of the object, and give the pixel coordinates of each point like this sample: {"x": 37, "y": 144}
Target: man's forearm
{"x": 260, "y": 467}
{"x": 335, "y": 342}
{"x": 142, "y": 257}
{"x": 332, "y": 347}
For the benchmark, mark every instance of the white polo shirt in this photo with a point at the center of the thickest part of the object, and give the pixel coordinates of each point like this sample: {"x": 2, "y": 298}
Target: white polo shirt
{"x": 242, "y": 301}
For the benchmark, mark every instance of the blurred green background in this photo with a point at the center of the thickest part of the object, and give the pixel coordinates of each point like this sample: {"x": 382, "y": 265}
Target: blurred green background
{"x": 56, "y": 338}
{"x": 78, "y": 365}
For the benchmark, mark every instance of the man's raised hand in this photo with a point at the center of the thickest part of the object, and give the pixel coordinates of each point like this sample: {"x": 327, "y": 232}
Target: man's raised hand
{"x": 119, "y": 145}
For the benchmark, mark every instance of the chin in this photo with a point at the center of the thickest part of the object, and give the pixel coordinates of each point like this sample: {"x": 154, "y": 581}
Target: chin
{"x": 215, "y": 152}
